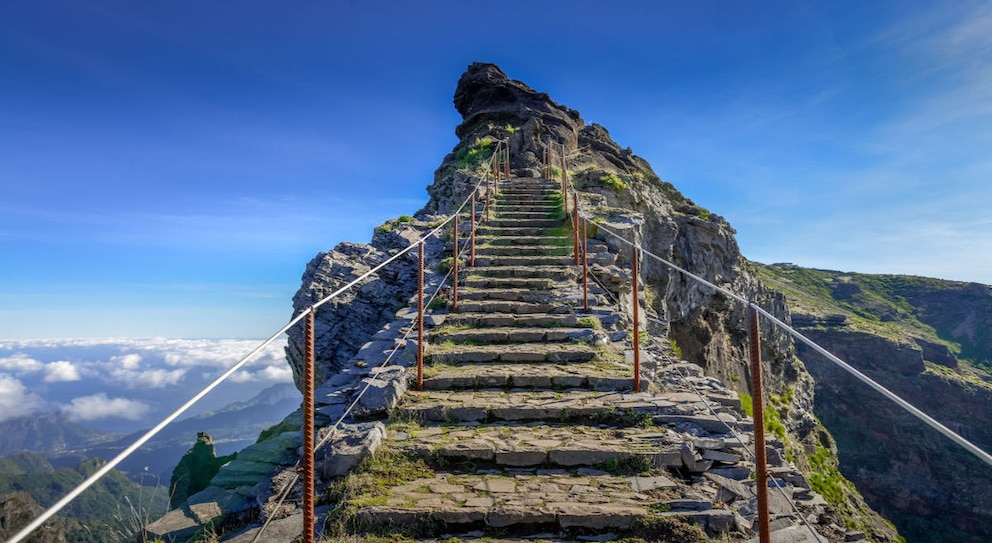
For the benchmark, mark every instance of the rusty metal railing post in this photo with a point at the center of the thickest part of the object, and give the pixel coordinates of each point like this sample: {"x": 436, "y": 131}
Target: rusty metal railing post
{"x": 308, "y": 430}
{"x": 544, "y": 161}
{"x": 507, "y": 147}
{"x": 488, "y": 190}
{"x": 564, "y": 178}
{"x": 454, "y": 269}
{"x": 575, "y": 227}
{"x": 420, "y": 319}
{"x": 585, "y": 267}
{"x": 758, "y": 402}
{"x": 637, "y": 333}
{"x": 497, "y": 169}
{"x": 471, "y": 234}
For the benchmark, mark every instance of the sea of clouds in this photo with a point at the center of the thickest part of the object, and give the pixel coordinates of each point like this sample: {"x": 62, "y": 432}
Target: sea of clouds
{"x": 122, "y": 385}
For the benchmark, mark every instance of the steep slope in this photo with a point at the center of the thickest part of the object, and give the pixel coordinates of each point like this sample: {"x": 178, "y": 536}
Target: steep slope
{"x": 928, "y": 341}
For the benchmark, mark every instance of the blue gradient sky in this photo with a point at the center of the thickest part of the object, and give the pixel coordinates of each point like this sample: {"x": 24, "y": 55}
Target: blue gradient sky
{"x": 168, "y": 168}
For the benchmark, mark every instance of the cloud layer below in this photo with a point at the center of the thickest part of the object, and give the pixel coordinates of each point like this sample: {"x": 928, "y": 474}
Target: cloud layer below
{"x": 124, "y": 383}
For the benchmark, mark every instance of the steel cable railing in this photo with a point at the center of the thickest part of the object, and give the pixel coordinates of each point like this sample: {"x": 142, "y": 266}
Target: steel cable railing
{"x": 97, "y": 475}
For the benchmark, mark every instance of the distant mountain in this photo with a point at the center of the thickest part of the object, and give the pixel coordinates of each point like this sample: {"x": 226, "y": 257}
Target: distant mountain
{"x": 111, "y": 510}
{"x": 49, "y": 433}
{"x": 233, "y": 427}
{"x": 66, "y": 443}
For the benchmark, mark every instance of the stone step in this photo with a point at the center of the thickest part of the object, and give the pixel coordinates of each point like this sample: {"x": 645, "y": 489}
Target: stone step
{"x": 542, "y": 222}
{"x": 525, "y": 207}
{"x": 612, "y": 449}
{"x": 503, "y": 213}
{"x": 480, "y": 336}
{"x": 528, "y": 197}
{"x": 507, "y": 354}
{"x": 612, "y": 408}
{"x": 555, "y": 273}
{"x": 540, "y": 297}
{"x": 524, "y": 250}
{"x": 595, "y": 375}
{"x": 513, "y": 241}
{"x": 532, "y": 283}
{"x": 515, "y": 190}
{"x": 508, "y": 306}
{"x": 506, "y": 295}
{"x": 506, "y": 231}
{"x": 494, "y": 260}
{"x": 496, "y": 320}
{"x": 512, "y": 500}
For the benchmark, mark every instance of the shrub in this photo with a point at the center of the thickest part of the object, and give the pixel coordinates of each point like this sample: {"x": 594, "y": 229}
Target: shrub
{"x": 469, "y": 158}
{"x": 613, "y": 181}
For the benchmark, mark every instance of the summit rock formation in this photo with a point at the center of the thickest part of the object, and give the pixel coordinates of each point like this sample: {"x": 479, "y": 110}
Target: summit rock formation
{"x": 528, "y": 422}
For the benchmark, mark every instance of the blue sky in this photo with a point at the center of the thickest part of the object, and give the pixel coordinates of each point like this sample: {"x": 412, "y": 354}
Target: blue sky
{"x": 168, "y": 168}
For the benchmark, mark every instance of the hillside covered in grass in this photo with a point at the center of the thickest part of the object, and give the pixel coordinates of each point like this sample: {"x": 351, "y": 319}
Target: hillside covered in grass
{"x": 929, "y": 341}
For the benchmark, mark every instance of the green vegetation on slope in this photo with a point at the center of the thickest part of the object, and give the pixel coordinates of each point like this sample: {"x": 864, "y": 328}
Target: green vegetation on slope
{"x": 112, "y": 508}
{"x": 900, "y": 308}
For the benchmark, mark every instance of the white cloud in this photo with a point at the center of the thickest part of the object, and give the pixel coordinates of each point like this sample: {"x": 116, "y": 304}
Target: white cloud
{"x": 15, "y": 400}
{"x": 61, "y": 371}
{"x": 112, "y": 369}
{"x": 278, "y": 374}
{"x": 128, "y": 361}
{"x": 269, "y": 374}
{"x": 20, "y": 363}
{"x": 156, "y": 378}
{"x": 99, "y": 406}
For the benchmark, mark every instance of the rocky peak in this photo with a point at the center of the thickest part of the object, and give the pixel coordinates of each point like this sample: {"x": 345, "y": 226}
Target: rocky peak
{"x": 485, "y": 93}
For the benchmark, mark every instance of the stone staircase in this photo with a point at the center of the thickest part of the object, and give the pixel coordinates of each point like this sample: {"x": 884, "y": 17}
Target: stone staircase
{"x": 528, "y": 426}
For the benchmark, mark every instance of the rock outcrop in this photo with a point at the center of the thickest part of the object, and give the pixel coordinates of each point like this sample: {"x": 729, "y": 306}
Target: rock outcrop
{"x": 195, "y": 470}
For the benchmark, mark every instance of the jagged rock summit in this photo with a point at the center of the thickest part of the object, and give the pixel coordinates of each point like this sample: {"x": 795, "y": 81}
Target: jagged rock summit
{"x": 529, "y": 424}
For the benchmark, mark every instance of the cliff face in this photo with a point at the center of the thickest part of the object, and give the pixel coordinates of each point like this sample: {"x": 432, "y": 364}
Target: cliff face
{"x": 927, "y": 340}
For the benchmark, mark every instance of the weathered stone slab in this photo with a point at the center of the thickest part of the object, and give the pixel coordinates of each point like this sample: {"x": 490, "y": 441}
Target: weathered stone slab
{"x": 521, "y": 457}
{"x": 350, "y": 444}
{"x": 643, "y": 484}
{"x": 598, "y": 517}
{"x": 502, "y": 517}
